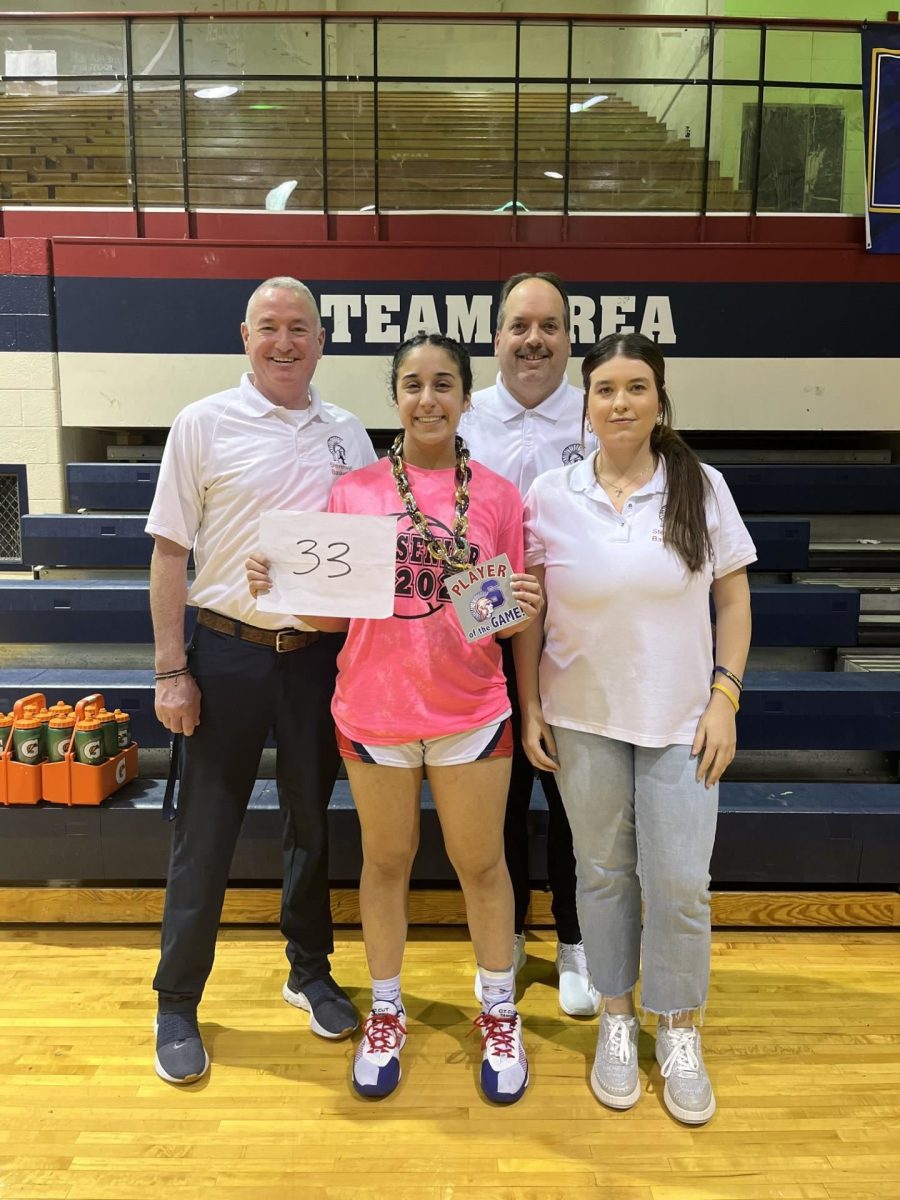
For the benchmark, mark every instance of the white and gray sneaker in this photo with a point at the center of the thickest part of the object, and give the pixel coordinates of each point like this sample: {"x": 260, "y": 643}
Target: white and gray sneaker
{"x": 577, "y": 995}
{"x": 519, "y": 958}
{"x": 688, "y": 1093}
{"x": 614, "y": 1078}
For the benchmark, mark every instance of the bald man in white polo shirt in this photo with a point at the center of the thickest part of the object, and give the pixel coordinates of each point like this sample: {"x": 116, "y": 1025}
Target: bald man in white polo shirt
{"x": 529, "y": 422}
{"x": 269, "y": 443}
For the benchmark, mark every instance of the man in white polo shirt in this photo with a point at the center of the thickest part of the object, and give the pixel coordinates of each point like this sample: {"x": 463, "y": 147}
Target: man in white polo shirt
{"x": 269, "y": 443}
{"x": 529, "y": 422}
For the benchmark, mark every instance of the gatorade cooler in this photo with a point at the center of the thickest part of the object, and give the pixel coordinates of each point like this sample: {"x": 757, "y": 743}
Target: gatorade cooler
{"x": 69, "y": 781}
{"x": 21, "y": 782}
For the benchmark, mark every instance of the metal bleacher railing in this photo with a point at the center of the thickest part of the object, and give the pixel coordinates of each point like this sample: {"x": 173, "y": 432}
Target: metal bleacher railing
{"x": 347, "y": 112}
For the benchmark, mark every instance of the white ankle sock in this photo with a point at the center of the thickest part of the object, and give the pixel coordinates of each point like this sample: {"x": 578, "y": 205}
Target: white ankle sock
{"x": 387, "y": 990}
{"x": 497, "y": 987}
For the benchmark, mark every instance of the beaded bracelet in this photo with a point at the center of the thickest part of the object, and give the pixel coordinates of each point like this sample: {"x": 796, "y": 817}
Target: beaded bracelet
{"x": 738, "y": 683}
{"x": 717, "y": 687}
{"x": 172, "y": 674}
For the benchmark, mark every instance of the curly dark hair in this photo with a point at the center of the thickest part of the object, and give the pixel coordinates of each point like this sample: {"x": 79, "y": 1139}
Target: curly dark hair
{"x": 455, "y": 349}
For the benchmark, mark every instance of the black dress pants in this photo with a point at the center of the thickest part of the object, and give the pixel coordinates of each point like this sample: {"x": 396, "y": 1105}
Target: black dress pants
{"x": 560, "y": 856}
{"x": 246, "y": 691}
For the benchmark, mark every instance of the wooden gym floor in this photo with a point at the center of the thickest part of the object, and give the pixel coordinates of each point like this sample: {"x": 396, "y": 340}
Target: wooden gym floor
{"x": 802, "y": 1038}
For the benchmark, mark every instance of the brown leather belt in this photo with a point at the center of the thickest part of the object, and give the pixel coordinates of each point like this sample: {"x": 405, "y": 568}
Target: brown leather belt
{"x": 281, "y": 640}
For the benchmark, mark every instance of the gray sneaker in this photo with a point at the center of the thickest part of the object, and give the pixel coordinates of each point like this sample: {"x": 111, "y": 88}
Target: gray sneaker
{"x": 614, "y": 1078}
{"x": 331, "y": 1011}
{"x": 180, "y": 1054}
{"x": 688, "y": 1093}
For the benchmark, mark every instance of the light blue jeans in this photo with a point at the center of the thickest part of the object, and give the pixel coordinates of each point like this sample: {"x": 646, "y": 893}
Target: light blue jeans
{"x": 641, "y": 826}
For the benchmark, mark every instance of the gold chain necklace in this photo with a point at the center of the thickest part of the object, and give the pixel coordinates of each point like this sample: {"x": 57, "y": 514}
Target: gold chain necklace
{"x": 609, "y": 483}
{"x": 456, "y": 558}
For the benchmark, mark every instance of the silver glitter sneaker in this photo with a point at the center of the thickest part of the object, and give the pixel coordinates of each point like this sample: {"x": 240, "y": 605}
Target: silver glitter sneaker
{"x": 614, "y": 1078}
{"x": 688, "y": 1093}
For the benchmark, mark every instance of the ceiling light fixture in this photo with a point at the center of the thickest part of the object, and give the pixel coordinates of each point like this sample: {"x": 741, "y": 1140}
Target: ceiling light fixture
{"x": 219, "y": 92}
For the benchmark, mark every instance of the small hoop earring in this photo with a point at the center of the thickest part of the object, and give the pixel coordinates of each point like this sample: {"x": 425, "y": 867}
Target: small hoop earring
{"x": 589, "y": 427}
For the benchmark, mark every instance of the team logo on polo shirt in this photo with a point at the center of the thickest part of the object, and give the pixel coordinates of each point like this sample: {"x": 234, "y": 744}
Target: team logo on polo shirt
{"x": 419, "y": 581}
{"x": 573, "y": 453}
{"x": 658, "y": 534}
{"x": 338, "y": 454}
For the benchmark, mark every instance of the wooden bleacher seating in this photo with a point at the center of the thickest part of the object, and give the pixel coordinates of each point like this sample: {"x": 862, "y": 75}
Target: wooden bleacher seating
{"x": 437, "y": 149}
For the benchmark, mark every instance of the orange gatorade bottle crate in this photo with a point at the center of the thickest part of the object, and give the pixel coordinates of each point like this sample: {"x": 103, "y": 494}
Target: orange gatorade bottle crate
{"x": 87, "y": 774}
{"x": 21, "y": 752}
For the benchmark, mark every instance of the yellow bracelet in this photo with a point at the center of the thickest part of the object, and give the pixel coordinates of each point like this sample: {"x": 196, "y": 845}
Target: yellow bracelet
{"x": 717, "y": 687}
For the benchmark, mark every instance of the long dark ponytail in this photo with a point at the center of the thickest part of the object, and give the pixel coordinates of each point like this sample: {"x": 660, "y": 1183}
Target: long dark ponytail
{"x": 684, "y": 526}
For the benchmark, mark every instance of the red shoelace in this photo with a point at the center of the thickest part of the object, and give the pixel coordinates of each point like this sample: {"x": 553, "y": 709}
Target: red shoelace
{"x": 498, "y": 1034}
{"x": 384, "y": 1032}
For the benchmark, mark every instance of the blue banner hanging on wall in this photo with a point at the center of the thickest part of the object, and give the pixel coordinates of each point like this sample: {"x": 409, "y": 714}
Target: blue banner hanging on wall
{"x": 881, "y": 110}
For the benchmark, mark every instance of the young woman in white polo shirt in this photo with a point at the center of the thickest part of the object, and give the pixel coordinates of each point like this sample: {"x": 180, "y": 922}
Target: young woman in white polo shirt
{"x": 627, "y": 701}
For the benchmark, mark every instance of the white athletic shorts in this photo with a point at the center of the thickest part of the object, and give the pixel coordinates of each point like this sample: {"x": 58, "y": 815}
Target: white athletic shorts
{"x": 487, "y": 741}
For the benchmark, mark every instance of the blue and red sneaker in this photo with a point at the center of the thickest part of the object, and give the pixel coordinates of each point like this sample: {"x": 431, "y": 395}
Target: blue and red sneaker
{"x": 376, "y": 1064}
{"x": 504, "y": 1067}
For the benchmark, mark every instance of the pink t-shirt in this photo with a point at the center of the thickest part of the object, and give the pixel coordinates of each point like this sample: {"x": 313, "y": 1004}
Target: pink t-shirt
{"x": 414, "y": 675}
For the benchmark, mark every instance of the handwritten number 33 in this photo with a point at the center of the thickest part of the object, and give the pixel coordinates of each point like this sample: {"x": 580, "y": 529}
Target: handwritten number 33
{"x": 308, "y": 550}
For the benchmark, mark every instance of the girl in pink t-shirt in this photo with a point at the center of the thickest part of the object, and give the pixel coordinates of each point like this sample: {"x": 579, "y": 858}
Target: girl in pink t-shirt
{"x": 414, "y": 697}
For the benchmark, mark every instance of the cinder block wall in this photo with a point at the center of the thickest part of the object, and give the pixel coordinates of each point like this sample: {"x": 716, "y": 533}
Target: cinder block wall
{"x": 31, "y": 429}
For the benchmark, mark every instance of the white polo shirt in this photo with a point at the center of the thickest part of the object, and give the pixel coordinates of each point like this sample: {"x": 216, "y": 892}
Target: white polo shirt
{"x": 521, "y": 443}
{"x": 628, "y": 651}
{"x": 232, "y": 456}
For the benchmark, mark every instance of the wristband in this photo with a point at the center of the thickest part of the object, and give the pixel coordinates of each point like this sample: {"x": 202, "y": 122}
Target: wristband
{"x": 738, "y": 683}
{"x": 172, "y": 674}
{"x": 717, "y": 687}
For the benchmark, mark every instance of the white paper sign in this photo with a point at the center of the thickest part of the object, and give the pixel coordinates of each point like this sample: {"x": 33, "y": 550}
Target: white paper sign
{"x": 329, "y": 564}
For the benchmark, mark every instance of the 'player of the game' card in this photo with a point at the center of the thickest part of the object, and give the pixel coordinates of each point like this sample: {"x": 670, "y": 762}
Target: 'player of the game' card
{"x": 483, "y": 599}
